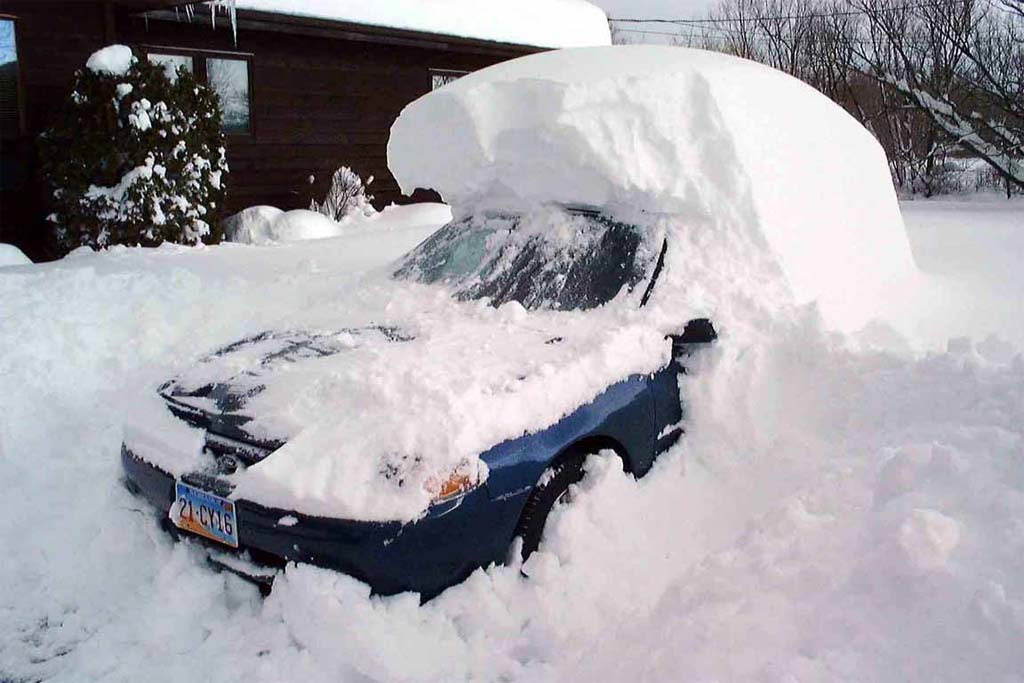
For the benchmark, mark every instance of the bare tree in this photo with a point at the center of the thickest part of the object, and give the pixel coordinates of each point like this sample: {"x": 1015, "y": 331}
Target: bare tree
{"x": 960, "y": 65}
{"x": 346, "y": 196}
{"x": 934, "y": 80}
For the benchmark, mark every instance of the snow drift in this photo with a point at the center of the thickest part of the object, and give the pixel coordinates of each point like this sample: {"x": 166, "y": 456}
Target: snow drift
{"x": 793, "y": 535}
{"x": 269, "y": 225}
{"x": 666, "y": 131}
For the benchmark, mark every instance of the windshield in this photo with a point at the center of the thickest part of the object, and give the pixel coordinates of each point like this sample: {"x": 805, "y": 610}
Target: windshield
{"x": 550, "y": 260}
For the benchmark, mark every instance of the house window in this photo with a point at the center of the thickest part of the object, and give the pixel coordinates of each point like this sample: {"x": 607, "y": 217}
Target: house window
{"x": 10, "y": 113}
{"x": 171, "y": 63}
{"x": 227, "y": 76}
{"x": 442, "y": 77}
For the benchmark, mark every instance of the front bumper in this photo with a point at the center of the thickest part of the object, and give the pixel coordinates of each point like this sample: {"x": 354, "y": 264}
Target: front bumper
{"x": 425, "y": 556}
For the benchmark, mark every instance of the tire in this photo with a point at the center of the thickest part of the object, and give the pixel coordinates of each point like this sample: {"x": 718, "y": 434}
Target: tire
{"x": 568, "y": 471}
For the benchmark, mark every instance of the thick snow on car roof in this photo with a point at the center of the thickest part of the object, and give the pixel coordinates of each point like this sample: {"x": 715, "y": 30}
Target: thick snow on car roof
{"x": 544, "y": 23}
{"x": 675, "y": 131}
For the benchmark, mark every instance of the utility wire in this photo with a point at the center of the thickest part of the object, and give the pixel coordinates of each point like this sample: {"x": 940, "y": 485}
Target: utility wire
{"x": 810, "y": 15}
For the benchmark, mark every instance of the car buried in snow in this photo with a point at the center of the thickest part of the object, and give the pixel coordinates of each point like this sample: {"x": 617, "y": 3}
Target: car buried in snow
{"x": 534, "y": 291}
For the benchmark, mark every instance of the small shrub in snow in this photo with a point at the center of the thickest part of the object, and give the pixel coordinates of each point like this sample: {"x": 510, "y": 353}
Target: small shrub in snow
{"x": 346, "y": 197}
{"x": 135, "y": 159}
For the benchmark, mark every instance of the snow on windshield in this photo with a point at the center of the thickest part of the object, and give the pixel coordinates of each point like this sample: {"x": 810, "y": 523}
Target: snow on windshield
{"x": 717, "y": 144}
{"x": 543, "y": 260}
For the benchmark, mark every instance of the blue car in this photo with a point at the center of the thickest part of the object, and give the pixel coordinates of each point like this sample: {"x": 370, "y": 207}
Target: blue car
{"x": 465, "y": 527}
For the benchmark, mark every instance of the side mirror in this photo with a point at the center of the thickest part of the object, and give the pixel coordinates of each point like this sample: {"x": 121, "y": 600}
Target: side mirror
{"x": 697, "y": 332}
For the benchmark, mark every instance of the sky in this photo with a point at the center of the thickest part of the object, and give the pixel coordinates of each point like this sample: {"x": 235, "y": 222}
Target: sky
{"x": 7, "y": 53}
{"x": 652, "y": 9}
{"x": 658, "y": 9}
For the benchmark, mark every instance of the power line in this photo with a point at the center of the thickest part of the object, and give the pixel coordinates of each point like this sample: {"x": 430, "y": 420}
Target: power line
{"x": 811, "y": 15}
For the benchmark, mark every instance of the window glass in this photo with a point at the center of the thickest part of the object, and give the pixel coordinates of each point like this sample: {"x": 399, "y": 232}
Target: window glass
{"x": 442, "y": 77}
{"x": 552, "y": 260}
{"x": 171, "y": 63}
{"x": 10, "y": 120}
{"x": 229, "y": 78}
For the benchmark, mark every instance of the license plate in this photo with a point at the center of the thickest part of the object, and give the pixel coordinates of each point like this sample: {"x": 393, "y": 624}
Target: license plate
{"x": 204, "y": 514}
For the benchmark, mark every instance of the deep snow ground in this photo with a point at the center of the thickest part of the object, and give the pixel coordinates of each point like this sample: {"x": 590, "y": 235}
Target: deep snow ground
{"x": 842, "y": 508}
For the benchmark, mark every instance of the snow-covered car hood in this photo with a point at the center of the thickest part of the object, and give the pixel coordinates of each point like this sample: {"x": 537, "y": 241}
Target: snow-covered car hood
{"x": 215, "y": 393}
{"x": 367, "y": 418}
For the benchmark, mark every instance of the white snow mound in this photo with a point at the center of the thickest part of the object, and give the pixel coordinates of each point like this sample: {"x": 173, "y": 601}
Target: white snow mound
{"x": 666, "y": 130}
{"x": 114, "y": 60}
{"x": 269, "y": 224}
{"x": 10, "y": 255}
{"x": 251, "y": 225}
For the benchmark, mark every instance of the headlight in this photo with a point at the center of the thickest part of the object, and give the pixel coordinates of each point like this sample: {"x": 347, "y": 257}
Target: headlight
{"x": 460, "y": 482}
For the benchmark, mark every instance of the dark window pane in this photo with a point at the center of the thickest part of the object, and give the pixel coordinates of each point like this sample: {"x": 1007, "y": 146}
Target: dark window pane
{"x": 229, "y": 78}
{"x": 557, "y": 261}
{"x": 10, "y": 120}
{"x": 171, "y": 63}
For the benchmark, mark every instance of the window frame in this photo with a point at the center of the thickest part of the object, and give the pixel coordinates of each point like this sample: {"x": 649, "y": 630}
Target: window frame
{"x": 199, "y": 70}
{"x": 19, "y": 85}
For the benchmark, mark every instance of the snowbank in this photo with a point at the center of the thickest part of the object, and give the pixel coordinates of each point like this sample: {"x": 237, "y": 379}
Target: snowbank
{"x": 671, "y": 132}
{"x": 544, "y": 23}
{"x": 269, "y": 224}
{"x": 114, "y": 60}
{"x": 804, "y": 530}
{"x": 10, "y": 255}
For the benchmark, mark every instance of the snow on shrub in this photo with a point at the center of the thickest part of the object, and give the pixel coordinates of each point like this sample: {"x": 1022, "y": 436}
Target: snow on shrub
{"x": 135, "y": 158}
{"x": 269, "y": 224}
{"x": 346, "y": 196}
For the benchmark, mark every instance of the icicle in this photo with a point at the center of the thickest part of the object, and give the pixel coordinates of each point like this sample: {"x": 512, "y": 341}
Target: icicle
{"x": 231, "y": 11}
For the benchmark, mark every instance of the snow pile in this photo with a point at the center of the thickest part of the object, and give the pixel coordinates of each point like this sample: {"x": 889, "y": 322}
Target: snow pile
{"x": 113, "y": 60}
{"x": 251, "y": 225}
{"x": 10, "y": 255}
{"x": 544, "y": 23}
{"x": 671, "y": 132}
{"x": 833, "y": 514}
{"x": 269, "y": 224}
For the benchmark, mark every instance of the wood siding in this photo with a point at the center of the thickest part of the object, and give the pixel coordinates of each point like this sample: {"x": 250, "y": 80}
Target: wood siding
{"x": 323, "y": 94}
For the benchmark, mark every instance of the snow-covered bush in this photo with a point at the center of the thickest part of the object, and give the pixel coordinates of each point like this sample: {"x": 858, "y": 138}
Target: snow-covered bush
{"x": 270, "y": 225}
{"x": 135, "y": 158}
{"x": 251, "y": 225}
{"x": 346, "y": 196}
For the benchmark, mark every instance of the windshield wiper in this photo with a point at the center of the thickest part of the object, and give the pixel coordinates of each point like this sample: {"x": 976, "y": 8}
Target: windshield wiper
{"x": 654, "y": 276}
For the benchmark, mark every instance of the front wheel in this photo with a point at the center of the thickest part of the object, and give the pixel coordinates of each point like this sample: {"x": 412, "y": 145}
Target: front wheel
{"x": 553, "y": 488}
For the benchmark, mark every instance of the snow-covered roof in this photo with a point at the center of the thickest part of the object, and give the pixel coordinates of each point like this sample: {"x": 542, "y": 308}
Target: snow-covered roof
{"x": 541, "y": 23}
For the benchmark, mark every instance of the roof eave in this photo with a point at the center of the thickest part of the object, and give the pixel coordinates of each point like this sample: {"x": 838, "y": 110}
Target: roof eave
{"x": 251, "y": 20}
